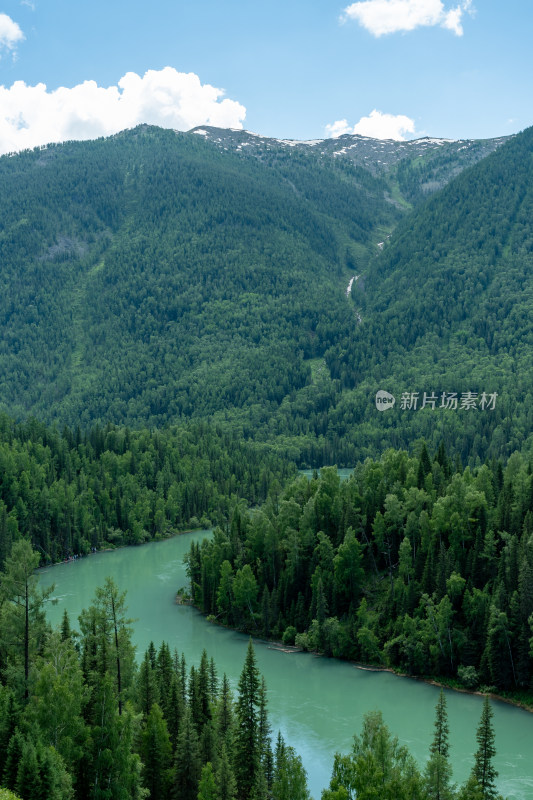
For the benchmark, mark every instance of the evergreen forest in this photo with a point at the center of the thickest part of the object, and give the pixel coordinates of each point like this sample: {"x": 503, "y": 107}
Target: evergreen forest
{"x": 74, "y": 492}
{"x": 413, "y": 563}
{"x": 155, "y": 277}
{"x": 187, "y": 321}
{"x": 79, "y": 719}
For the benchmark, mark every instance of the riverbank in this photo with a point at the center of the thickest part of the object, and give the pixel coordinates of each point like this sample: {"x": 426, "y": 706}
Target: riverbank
{"x": 523, "y": 700}
{"x": 318, "y": 703}
{"x": 526, "y": 705}
{"x": 111, "y": 548}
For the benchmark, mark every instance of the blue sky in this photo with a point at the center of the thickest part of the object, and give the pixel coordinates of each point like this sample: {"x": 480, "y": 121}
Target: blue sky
{"x": 293, "y": 69}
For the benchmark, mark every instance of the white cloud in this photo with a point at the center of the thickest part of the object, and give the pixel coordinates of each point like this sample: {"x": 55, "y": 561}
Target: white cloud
{"x": 391, "y": 16}
{"x": 338, "y": 128}
{"x": 376, "y": 126}
{"x": 32, "y": 115}
{"x": 10, "y": 33}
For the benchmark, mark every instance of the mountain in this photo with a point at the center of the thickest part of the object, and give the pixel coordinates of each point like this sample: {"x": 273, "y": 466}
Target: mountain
{"x": 157, "y": 276}
{"x": 151, "y": 277}
{"x": 413, "y": 168}
{"x": 448, "y": 306}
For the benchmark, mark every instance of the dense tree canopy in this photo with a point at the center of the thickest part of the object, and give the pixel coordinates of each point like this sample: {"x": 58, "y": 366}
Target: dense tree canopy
{"x": 68, "y": 493}
{"x": 154, "y": 277}
{"x": 166, "y": 732}
{"x": 412, "y": 562}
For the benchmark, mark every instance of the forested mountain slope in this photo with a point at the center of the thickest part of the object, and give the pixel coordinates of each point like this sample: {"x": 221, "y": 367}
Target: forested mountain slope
{"x": 448, "y": 306}
{"x": 412, "y": 169}
{"x": 154, "y": 276}
{"x": 150, "y": 277}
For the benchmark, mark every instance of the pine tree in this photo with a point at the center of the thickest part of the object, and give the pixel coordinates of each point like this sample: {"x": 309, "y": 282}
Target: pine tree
{"x": 147, "y": 686}
{"x": 55, "y": 781}
{"x": 424, "y": 466}
{"x": 498, "y": 651}
{"x": 225, "y": 777}
{"x": 290, "y": 778}
{"x": 260, "y": 790}
{"x": 58, "y": 700}
{"x": 440, "y": 744}
{"x": 438, "y": 770}
{"x": 203, "y": 689}
{"x": 22, "y": 622}
{"x": 246, "y": 749}
{"x": 225, "y": 715}
{"x": 187, "y": 761}
{"x": 442, "y": 459}
{"x": 156, "y": 752}
{"x": 112, "y": 607}
{"x": 207, "y": 789}
{"x": 65, "y": 630}
{"x": 164, "y": 673}
{"x": 106, "y": 640}
{"x": 176, "y": 710}
{"x": 152, "y": 655}
{"x": 9, "y": 714}
{"x": 195, "y": 704}
{"x": 264, "y": 729}
{"x": 28, "y": 784}
{"x": 280, "y": 751}
{"x": 470, "y": 791}
{"x": 208, "y": 744}
{"x": 115, "y": 767}
{"x": 12, "y": 761}
{"x": 213, "y": 680}
{"x": 483, "y": 771}
{"x": 183, "y": 677}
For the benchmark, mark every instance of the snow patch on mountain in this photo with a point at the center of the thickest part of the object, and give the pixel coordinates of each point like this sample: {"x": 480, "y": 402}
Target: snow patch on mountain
{"x": 376, "y": 155}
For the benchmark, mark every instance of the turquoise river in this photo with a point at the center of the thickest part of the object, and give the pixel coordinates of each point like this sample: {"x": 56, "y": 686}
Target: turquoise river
{"x": 317, "y": 703}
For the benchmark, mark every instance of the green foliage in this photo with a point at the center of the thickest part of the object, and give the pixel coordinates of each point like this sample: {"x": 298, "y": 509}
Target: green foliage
{"x": 447, "y": 304}
{"x": 21, "y": 614}
{"x": 207, "y": 790}
{"x": 438, "y": 770}
{"x": 290, "y": 779}
{"x": 150, "y": 277}
{"x": 484, "y": 772}
{"x": 69, "y": 741}
{"x": 5, "y": 794}
{"x": 247, "y": 751}
{"x": 58, "y": 699}
{"x": 156, "y": 754}
{"x": 155, "y": 277}
{"x": 433, "y": 580}
{"x": 225, "y": 777}
{"x": 70, "y": 493}
{"x": 378, "y": 768}
{"x": 187, "y": 765}
{"x": 106, "y": 641}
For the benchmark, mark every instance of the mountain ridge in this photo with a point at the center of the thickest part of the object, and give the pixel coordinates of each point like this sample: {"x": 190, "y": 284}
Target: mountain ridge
{"x": 153, "y": 277}
{"x": 377, "y": 155}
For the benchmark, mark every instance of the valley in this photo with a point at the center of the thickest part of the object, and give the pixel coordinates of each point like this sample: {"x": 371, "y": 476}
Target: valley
{"x": 196, "y": 326}
{"x": 317, "y": 704}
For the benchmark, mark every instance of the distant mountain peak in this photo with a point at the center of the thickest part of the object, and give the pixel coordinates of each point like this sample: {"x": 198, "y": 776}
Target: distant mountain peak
{"x": 376, "y": 155}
